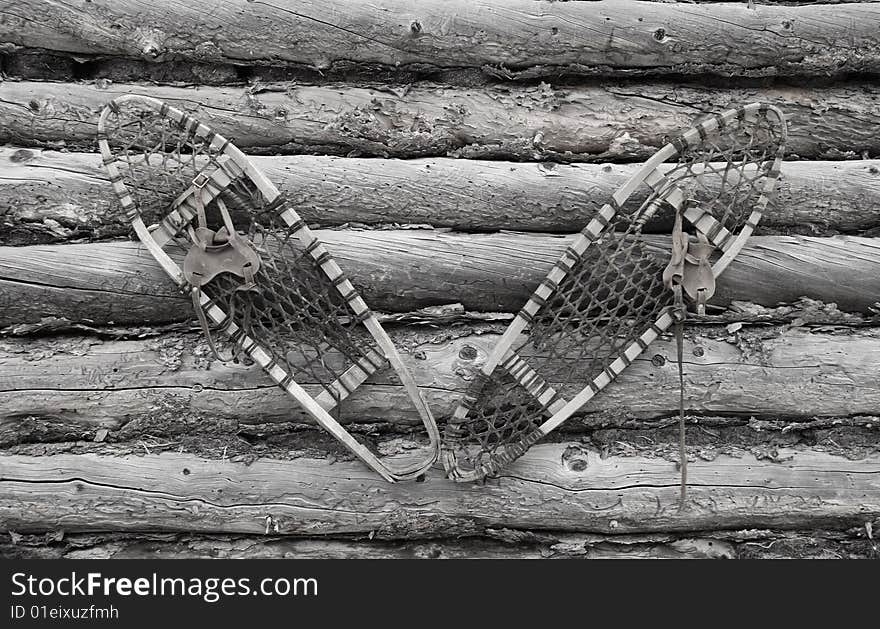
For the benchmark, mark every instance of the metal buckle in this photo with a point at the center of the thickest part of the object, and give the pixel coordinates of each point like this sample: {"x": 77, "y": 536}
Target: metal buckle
{"x": 200, "y": 181}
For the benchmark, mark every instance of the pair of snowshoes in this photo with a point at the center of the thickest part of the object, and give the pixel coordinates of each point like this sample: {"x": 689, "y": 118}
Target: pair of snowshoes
{"x": 260, "y": 277}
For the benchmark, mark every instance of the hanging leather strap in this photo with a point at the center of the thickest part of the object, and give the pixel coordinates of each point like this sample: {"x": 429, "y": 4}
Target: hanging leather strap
{"x": 674, "y": 272}
{"x": 679, "y": 348}
{"x": 674, "y": 277}
{"x": 203, "y": 321}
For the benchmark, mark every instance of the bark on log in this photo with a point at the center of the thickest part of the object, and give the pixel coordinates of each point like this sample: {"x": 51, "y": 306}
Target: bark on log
{"x": 67, "y": 388}
{"x": 601, "y": 123}
{"x": 748, "y": 544}
{"x": 563, "y": 486}
{"x": 515, "y": 37}
{"x": 48, "y": 196}
{"x": 532, "y": 546}
{"x": 120, "y": 283}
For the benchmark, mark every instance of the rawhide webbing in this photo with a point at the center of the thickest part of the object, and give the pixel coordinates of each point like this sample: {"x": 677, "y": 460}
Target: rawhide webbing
{"x": 606, "y": 298}
{"x": 255, "y": 271}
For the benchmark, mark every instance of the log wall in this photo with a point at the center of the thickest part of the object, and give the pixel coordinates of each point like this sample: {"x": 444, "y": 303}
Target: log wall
{"x": 446, "y": 152}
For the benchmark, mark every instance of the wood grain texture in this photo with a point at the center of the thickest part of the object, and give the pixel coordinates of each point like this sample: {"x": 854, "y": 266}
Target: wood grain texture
{"x": 513, "y": 36}
{"x": 852, "y": 543}
{"x": 60, "y": 393}
{"x": 564, "y": 484}
{"x": 403, "y": 270}
{"x": 501, "y": 544}
{"x": 600, "y": 123}
{"x": 65, "y": 388}
{"x": 49, "y": 196}
{"x": 532, "y": 546}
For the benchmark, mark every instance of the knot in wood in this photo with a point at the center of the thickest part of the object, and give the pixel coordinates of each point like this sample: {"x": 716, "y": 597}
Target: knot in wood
{"x": 575, "y": 459}
{"x": 468, "y": 352}
{"x": 21, "y": 155}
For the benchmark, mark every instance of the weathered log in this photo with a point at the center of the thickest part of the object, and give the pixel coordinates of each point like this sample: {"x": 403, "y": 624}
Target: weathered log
{"x": 403, "y": 270}
{"x": 531, "y": 546}
{"x": 563, "y": 486}
{"x": 516, "y": 37}
{"x": 48, "y": 196}
{"x": 602, "y": 123}
{"x": 751, "y": 544}
{"x": 67, "y": 388}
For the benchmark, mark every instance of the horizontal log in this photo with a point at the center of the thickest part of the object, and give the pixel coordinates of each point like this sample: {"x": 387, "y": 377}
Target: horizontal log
{"x": 764, "y": 544}
{"x": 48, "y": 196}
{"x": 599, "y": 123}
{"x": 537, "y": 38}
{"x": 403, "y": 270}
{"x": 67, "y": 388}
{"x": 565, "y": 487}
{"x": 543, "y": 546}
{"x": 750, "y": 544}
{"x": 853, "y": 543}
